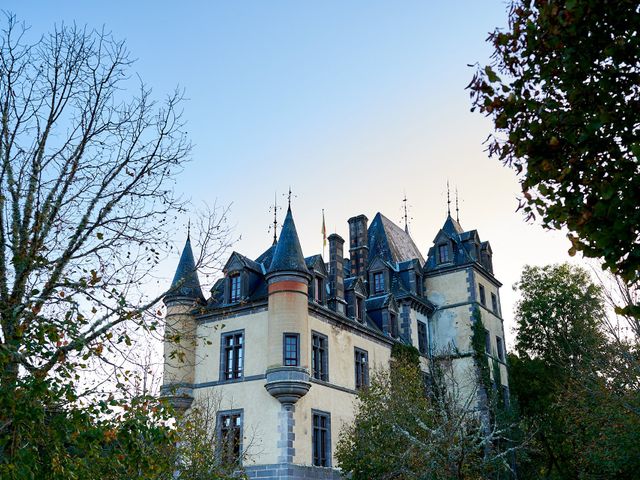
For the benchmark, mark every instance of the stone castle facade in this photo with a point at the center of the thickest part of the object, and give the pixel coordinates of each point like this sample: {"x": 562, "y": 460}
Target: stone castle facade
{"x": 286, "y": 341}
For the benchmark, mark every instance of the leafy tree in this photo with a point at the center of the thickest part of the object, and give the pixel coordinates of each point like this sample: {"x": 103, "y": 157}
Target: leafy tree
{"x": 401, "y": 432}
{"x": 562, "y": 92}
{"x": 85, "y": 201}
{"x": 564, "y": 383}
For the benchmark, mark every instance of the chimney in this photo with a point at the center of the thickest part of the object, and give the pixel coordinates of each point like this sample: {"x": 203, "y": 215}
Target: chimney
{"x": 358, "y": 245}
{"x": 336, "y": 274}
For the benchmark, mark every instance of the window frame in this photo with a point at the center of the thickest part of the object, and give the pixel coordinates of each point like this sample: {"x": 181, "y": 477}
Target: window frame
{"x": 320, "y": 444}
{"x": 443, "y": 247}
{"x": 238, "y": 355}
{"x": 500, "y": 348}
{"x": 361, "y": 364}
{"x": 225, "y": 455}
{"x": 359, "y": 307}
{"x": 494, "y": 303}
{"x": 321, "y": 373}
{"x": 318, "y": 289}
{"x": 487, "y": 341}
{"x": 285, "y": 359}
{"x": 394, "y": 328}
{"x": 422, "y": 337}
{"x": 235, "y": 287}
{"x": 378, "y": 286}
{"x": 483, "y": 295}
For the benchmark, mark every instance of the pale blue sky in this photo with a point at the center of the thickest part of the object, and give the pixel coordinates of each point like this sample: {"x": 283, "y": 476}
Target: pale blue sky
{"x": 352, "y": 103}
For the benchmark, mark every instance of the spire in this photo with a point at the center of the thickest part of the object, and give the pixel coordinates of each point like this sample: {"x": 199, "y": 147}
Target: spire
{"x": 185, "y": 282}
{"x": 275, "y": 208}
{"x": 457, "y": 209}
{"x": 288, "y": 254}
{"x": 448, "y": 201}
{"x": 406, "y": 216}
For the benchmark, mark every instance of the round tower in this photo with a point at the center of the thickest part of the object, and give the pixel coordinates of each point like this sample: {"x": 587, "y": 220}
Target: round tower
{"x": 180, "y": 337}
{"x": 288, "y": 287}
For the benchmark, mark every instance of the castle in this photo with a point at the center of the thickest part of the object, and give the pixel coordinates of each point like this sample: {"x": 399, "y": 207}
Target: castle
{"x": 287, "y": 340}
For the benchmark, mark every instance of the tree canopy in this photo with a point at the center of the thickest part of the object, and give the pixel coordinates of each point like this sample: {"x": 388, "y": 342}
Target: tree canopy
{"x": 562, "y": 92}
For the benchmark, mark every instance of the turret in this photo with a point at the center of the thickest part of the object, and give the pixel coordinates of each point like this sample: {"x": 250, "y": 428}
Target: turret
{"x": 288, "y": 287}
{"x": 180, "y": 332}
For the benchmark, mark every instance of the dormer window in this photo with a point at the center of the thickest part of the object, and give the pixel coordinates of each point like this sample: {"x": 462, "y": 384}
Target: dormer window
{"x": 235, "y": 287}
{"x": 443, "y": 253}
{"x": 378, "y": 282}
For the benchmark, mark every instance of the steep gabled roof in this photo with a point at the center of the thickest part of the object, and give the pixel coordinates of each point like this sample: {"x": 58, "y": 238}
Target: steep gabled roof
{"x": 389, "y": 241}
{"x": 244, "y": 261}
{"x": 451, "y": 226}
{"x": 185, "y": 281}
{"x": 266, "y": 257}
{"x": 288, "y": 254}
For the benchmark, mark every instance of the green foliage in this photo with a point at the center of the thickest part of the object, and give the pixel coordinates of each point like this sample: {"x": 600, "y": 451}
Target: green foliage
{"x": 566, "y": 378}
{"x": 480, "y": 358}
{"x": 108, "y": 440}
{"x": 559, "y": 314}
{"x": 405, "y": 354}
{"x": 563, "y": 96}
{"x": 399, "y": 432}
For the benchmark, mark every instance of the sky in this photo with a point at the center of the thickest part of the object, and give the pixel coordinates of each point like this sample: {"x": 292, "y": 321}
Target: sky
{"x": 352, "y": 104}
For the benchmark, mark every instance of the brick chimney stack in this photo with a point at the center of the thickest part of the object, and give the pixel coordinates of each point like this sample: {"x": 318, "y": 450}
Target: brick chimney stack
{"x": 358, "y": 245}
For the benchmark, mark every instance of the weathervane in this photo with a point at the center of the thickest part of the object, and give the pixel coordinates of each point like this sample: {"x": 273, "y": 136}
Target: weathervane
{"x": 289, "y": 195}
{"x": 188, "y": 229}
{"x": 457, "y": 209}
{"x": 448, "y": 200}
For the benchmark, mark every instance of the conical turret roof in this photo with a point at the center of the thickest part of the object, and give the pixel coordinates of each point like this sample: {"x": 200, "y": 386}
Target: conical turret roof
{"x": 288, "y": 253}
{"x": 185, "y": 282}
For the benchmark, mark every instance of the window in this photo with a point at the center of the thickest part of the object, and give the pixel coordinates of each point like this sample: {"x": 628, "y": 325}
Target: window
{"x": 321, "y": 439}
{"x": 422, "y": 337}
{"x": 487, "y": 341}
{"x": 230, "y": 435}
{"x": 235, "y": 288}
{"x": 419, "y": 284}
{"x": 319, "y": 360}
{"x": 483, "y": 298}
{"x": 443, "y": 253}
{"x": 232, "y": 355}
{"x": 378, "y": 282}
{"x": 393, "y": 324}
{"x": 317, "y": 290}
{"x": 291, "y": 350}
{"x": 494, "y": 303}
{"x": 500, "y": 348}
{"x": 359, "y": 309}
{"x": 362, "y": 368}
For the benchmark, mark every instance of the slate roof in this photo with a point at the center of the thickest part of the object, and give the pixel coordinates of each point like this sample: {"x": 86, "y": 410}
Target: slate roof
{"x": 390, "y": 242}
{"x": 266, "y": 257}
{"x": 288, "y": 253}
{"x": 185, "y": 281}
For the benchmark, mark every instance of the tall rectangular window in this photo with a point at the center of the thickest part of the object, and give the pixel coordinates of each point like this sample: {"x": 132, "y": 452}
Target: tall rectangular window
{"x": 494, "y": 303}
{"x": 378, "y": 282}
{"x": 487, "y": 341}
{"x": 232, "y": 361}
{"x": 319, "y": 357}
{"x": 321, "y": 439}
{"x": 500, "y": 348}
{"x": 393, "y": 324}
{"x": 291, "y": 350}
{"x": 362, "y": 368}
{"x": 483, "y": 298}
{"x": 422, "y": 337}
{"x": 359, "y": 308}
{"x": 230, "y": 436}
{"x": 318, "y": 289}
{"x": 443, "y": 253}
{"x": 235, "y": 288}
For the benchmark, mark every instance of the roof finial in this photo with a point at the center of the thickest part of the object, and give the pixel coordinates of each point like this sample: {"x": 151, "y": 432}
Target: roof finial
{"x": 457, "y": 209}
{"x": 188, "y": 229}
{"x": 448, "y": 200}
{"x": 406, "y": 216}
{"x": 275, "y": 208}
{"x": 289, "y": 197}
